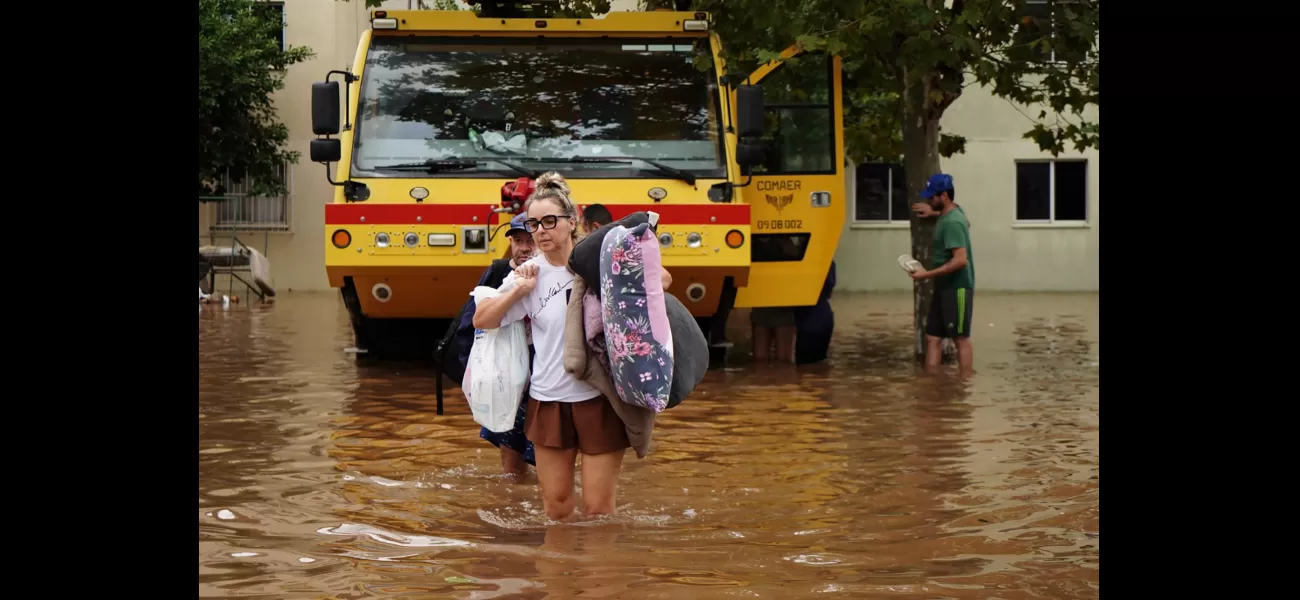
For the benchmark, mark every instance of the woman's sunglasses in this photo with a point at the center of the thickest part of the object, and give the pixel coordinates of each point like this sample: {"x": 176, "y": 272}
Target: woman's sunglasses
{"x": 547, "y": 222}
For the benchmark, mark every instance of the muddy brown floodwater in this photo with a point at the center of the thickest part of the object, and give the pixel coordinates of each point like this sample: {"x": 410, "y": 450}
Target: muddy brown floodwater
{"x": 323, "y": 478}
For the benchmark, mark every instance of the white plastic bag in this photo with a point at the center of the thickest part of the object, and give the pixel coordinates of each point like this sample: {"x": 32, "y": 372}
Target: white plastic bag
{"x": 497, "y": 372}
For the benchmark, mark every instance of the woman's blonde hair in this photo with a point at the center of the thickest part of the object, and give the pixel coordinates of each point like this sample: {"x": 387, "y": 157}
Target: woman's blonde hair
{"x": 552, "y": 186}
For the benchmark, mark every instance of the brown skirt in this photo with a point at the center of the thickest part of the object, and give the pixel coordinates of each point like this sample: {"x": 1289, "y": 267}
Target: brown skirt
{"x": 591, "y": 426}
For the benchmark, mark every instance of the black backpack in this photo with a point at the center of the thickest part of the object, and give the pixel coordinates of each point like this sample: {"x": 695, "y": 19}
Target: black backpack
{"x": 460, "y": 334}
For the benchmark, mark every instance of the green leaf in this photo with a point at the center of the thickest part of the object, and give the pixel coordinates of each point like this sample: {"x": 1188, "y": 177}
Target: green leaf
{"x": 950, "y": 145}
{"x": 811, "y": 42}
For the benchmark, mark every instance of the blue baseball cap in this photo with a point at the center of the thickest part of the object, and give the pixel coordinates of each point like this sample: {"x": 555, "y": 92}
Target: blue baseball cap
{"x": 938, "y": 183}
{"x": 517, "y": 224}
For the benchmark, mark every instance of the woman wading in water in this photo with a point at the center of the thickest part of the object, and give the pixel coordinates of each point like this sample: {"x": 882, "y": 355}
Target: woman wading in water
{"x": 565, "y": 415}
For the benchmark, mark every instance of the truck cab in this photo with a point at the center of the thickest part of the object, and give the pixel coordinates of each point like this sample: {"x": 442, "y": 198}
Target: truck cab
{"x": 444, "y": 112}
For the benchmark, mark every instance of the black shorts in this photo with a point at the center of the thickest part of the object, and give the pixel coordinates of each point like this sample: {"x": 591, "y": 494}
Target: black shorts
{"x": 950, "y": 313}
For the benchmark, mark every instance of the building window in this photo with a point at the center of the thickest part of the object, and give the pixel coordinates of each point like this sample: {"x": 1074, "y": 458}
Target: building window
{"x": 275, "y": 11}
{"x": 799, "y": 136}
{"x": 881, "y": 194}
{"x": 246, "y": 212}
{"x": 1052, "y": 191}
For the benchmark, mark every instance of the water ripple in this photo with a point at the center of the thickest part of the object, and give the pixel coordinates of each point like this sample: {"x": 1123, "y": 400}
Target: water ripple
{"x": 324, "y": 477}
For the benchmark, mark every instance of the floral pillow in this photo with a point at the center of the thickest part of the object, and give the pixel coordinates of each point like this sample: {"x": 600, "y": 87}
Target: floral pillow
{"x": 637, "y": 334}
{"x": 585, "y": 260}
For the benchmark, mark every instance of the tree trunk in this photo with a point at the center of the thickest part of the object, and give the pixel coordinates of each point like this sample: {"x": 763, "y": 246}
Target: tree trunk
{"x": 920, "y": 161}
{"x": 926, "y": 95}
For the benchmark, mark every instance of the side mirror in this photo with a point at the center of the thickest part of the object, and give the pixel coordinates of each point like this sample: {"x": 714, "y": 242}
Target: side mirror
{"x": 749, "y": 111}
{"x": 750, "y": 153}
{"x": 326, "y": 150}
{"x": 750, "y": 123}
{"x": 324, "y": 110}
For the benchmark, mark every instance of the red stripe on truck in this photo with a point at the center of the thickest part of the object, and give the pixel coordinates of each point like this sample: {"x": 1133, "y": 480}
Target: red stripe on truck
{"x": 685, "y": 214}
{"x": 361, "y": 213}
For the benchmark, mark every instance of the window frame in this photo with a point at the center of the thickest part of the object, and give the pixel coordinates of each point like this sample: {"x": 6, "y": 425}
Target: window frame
{"x": 892, "y": 222}
{"x": 719, "y": 172}
{"x": 829, "y": 107}
{"x": 1051, "y": 220}
{"x": 248, "y": 209}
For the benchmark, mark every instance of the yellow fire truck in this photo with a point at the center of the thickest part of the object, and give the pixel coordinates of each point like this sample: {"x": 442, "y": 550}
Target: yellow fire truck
{"x": 444, "y": 111}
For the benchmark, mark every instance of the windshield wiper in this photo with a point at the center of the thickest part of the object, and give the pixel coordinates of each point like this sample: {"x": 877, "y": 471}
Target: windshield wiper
{"x": 431, "y": 166}
{"x": 454, "y": 164}
{"x": 531, "y": 173}
{"x": 673, "y": 172}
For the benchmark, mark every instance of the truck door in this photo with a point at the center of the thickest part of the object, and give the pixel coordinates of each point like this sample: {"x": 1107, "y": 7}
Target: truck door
{"x": 796, "y": 196}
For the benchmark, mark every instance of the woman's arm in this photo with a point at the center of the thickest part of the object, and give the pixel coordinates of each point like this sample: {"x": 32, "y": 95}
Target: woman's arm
{"x": 489, "y": 312}
{"x": 666, "y": 278}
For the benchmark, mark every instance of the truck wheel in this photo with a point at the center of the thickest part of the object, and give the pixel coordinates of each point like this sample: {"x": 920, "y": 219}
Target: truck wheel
{"x": 360, "y": 327}
{"x": 718, "y": 344}
{"x": 402, "y": 339}
{"x": 385, "y": 339}
{"x": 715, "y": 327}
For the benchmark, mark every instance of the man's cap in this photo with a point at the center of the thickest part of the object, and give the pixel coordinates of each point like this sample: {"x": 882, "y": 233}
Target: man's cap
{"x": 517, "y": 224}
{"x": 938, "y": 183}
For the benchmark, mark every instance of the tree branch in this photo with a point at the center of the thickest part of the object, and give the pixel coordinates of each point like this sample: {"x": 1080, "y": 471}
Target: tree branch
{"x": 1022, "y": 113}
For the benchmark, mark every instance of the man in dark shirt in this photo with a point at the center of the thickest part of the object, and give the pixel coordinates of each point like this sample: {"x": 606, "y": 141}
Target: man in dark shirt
{"x": 516, "y": 450}
{"x": 952, "y": 266}
{"x": 595, "y": 217}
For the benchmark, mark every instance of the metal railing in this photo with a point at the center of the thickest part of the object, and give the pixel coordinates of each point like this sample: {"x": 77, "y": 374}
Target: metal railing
{"x": 231, "y": 266}
{"x": 244, "y": 211}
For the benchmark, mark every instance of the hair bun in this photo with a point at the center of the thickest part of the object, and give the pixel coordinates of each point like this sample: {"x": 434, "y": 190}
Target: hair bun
{"x": 552, "y": 181}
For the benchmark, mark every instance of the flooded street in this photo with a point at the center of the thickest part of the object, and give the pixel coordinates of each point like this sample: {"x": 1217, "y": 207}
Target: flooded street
{"x": 863, "y": 478}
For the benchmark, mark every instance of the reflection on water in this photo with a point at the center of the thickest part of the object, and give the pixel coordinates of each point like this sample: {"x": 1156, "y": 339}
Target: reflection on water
{"x": 861, "y": 478}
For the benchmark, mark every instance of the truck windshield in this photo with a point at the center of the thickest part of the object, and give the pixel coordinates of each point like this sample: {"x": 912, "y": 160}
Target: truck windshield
{"x": 537, "y": 102}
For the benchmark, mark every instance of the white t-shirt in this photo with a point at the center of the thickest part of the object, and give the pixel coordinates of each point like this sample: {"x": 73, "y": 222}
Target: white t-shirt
{"x": 547, "y": 306}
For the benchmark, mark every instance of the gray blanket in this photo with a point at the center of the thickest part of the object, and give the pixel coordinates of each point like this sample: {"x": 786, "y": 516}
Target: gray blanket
{"x": 690, "y": 350}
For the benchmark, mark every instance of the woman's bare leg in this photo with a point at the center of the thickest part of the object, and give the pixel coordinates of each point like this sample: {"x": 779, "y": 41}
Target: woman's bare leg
{"x": 600, "y": 481}
{"x": 555, "y": 476}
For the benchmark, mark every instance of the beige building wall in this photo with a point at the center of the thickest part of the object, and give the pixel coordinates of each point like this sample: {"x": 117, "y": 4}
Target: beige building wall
{"x": 1009, "y": 256}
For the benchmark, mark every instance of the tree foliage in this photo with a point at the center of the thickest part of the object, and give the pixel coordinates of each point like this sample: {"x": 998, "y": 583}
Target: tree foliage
{"x": 241, "y": 64}
{"x": 933, "y": 49}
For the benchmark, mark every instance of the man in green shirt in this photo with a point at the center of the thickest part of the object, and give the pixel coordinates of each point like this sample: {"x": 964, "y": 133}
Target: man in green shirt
{"x": 952, "y": 266}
